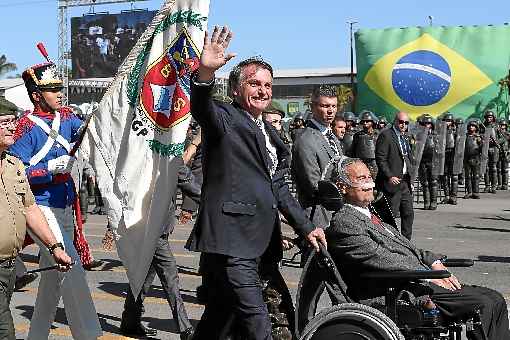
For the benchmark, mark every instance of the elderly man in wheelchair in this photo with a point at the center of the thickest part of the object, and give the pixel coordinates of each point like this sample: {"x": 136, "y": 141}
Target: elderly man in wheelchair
{"x": 368, "y": 258}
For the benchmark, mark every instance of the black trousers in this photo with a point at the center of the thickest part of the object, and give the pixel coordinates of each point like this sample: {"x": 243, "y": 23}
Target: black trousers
{"x": 402, "y": 205}
{"x": 462, "y": 302}
{"x": 234, "y": 296}
{"x": 164, "y": 265}
{"x": 7, "y": 279}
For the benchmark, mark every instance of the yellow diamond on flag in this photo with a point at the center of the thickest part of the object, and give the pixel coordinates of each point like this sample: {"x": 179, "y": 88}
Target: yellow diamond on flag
{"x": 425, "y": 75}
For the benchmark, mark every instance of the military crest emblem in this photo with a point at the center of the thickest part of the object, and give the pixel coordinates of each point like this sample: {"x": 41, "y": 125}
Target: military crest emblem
{"x": 165, "y": 94}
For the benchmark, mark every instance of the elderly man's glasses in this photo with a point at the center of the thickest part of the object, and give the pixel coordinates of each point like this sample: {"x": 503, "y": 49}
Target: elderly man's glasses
{"x": 406, "y": 122}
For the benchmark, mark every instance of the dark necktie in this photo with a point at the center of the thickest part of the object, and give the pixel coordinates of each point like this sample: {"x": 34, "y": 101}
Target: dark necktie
{"x": 330, "y": 136}
{"x": 273, "y": 160}
{"x": 403, "y": 144}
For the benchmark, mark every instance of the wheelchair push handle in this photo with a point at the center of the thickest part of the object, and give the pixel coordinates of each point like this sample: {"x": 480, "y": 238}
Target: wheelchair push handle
{"x": 458, "y": 262}
{"x": 407, "y": 275}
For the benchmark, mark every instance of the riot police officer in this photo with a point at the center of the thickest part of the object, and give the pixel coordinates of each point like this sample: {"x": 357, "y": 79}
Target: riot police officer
{"x": 426, "y": 174}
{"x": 472, "y": 155}
{"x": 502, "y": 165}
{"x": 491, "y": 174}
{"x": 297, "y": 126}
{"x": 363, "y": 144}
{"x": 350, "y": 126}
{"x": 459, "y": 126}
{"x": 450, "y": 180}
{"x": 382, "y": 123}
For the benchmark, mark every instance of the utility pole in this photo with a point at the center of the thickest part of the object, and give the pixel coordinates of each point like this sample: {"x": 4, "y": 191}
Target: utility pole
{"x": 63, "y": 28}
{"x": 351, "y": 23}
{"x": 431, "y": 20}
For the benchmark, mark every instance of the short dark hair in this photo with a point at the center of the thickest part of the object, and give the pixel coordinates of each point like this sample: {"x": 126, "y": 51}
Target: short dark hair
{"x": 234, "y": 77}
{"x": 323, "y": 91}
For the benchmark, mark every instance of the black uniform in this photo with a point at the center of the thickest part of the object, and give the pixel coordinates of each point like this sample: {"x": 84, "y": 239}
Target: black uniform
{"x": 450, "y": 180}
{"x": 502, "y": 163}
{"x": 363, "y": 147}
{"x": 428, "y": 178}
{"x": 491, "y": 173}
{"x": 472, "y": 155}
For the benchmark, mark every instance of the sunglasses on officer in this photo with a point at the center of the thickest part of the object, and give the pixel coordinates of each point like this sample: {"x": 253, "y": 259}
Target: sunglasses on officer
{"x": 406, "y": 122}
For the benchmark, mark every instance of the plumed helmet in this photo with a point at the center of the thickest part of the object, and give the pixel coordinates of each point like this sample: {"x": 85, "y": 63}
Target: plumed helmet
{"x": 42, "y": 77}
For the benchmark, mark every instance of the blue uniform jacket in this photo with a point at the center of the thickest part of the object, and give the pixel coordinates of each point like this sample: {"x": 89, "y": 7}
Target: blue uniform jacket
{"x": 29, "y": 139}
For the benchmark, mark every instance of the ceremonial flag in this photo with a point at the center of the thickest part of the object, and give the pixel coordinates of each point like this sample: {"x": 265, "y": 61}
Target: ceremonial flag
{"x": 140, "y": 128}
{"x": 432, "y": 70}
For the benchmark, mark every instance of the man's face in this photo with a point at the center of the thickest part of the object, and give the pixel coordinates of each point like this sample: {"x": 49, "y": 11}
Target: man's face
{"x": 7, "y": 127}
{"x": 402, "y": 121}
{"x": 490, "y": 119}
{"x": 339, "y": 127}
{"x": 471, "y": 129}
{"x": 324, "y": 109}
{"x": 359, "y": 174}
{"x": 49, "y": 100}
{"x": 367, "y": 125}
{"x": 275, "y": 120}
{"x": 255, "y": 89}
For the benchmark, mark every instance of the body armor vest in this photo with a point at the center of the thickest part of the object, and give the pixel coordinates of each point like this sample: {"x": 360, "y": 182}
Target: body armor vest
{"x": 473, "y": 145}
{"x": 365, "y": 146}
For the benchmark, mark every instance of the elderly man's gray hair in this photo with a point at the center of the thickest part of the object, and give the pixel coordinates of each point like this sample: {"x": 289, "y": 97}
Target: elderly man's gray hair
{"x": 339, "y": 172}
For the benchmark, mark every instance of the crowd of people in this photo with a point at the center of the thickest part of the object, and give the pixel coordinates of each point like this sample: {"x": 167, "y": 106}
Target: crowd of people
{"x": 234, "y": 174}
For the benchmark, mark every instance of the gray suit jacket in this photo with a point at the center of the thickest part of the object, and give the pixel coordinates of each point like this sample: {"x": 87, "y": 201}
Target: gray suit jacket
{"x": 357, "y": 245}
{"x": 311, "y": 153}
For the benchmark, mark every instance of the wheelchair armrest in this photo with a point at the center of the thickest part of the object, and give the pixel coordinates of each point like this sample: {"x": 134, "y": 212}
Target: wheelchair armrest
{"x": 458, "y": 262}
{"x": 406, "y": 275}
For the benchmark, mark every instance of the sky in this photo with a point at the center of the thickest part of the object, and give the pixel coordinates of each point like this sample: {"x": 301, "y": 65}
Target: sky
{"x": 288, "y": 33}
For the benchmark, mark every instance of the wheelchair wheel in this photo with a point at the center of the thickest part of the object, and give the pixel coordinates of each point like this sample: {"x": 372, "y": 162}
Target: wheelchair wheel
{"x": 351, "y": 321}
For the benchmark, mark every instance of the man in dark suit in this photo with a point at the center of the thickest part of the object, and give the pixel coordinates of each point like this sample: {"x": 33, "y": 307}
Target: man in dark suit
{"x": 394, "y": 161}
{"x": 313, "y": 150}
{"x": 359, "y": 242}
{"x": 238, "y": 223}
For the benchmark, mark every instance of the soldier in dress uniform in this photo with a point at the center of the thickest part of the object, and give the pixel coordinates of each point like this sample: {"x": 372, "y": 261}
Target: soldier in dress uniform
{"x": 450, "y": 180}
{"x": 363, "y": 143}
{"x": 472, "y": 155}
{"x": 491, "y": 173}
{"x": 43, "y": 143}
{"x": 428, "y": 179}
{"x": 350, "y": 130}
{"x": 502, "y": 164}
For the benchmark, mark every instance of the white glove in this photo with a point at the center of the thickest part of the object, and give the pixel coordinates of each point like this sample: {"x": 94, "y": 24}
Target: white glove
{"x": 61, "y": 165}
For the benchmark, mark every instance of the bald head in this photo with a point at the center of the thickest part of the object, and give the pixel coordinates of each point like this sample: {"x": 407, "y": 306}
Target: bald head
{"x": 401, "y": 121}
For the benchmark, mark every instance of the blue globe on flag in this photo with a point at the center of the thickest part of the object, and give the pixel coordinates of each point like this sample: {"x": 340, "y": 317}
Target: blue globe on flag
{"x": 421, "y": 78}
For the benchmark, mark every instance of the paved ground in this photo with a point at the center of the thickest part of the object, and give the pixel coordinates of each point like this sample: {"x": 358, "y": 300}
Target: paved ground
{"x": 477, "y": 229}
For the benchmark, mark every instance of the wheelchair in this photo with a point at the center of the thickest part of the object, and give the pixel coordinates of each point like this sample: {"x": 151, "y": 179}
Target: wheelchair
{"x": 350, "y": 320}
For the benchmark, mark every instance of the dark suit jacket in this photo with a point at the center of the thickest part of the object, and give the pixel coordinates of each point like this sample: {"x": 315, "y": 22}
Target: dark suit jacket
{"x": 357, "y": 245}
{"x": 311, "y": 153}
{"x": 390, "y": 160}
{"x": 238, "y": 214}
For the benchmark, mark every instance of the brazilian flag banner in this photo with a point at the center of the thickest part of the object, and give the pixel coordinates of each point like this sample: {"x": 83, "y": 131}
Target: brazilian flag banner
{"x": 433, "y": 70}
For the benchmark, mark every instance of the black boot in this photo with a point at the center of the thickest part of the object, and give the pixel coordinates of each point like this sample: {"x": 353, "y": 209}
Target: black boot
{"x": 454, "y": 189}
{"x": 433, "y": 195}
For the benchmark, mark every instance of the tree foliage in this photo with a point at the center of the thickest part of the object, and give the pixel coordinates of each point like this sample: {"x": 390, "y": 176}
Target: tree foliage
{"x": 6, "y": 66}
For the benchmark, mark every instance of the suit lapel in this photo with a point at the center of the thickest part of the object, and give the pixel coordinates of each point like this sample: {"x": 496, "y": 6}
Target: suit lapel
{"x": 322, "y": 140}
{"x": 395, "y": 139}
{"x": 259, "y": 137}
{"x": 396, "y": 237}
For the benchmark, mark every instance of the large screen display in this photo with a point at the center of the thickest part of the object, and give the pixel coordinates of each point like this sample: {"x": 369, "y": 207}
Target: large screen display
{"x": 101, "y": 41}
